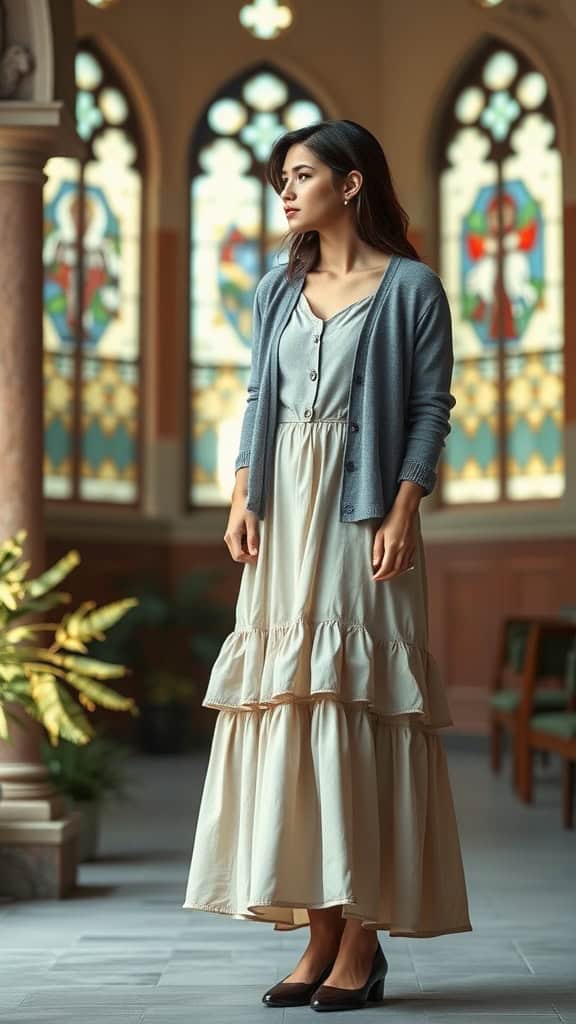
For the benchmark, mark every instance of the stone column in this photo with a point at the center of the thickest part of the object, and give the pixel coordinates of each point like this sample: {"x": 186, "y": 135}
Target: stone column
{"x": 38, "y": 842}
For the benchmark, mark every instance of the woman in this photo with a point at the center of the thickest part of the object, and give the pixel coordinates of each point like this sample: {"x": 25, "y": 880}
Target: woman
{"x": 327, "y": 800}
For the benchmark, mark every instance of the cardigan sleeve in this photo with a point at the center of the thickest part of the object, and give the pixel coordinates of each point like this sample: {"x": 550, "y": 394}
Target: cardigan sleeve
{"x": 430, "y": 400}
{"x": 247, "y": 428}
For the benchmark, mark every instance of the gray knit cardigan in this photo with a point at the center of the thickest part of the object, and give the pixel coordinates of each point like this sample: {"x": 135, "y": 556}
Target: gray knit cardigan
{"x": 399, "y": 400}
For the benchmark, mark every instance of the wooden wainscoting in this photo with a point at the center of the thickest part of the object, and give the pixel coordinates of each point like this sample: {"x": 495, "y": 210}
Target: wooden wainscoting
{"x": 472, "y": 586}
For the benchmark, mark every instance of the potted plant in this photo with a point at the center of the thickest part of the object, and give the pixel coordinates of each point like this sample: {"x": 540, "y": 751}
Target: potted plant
{"x": 43, "y": 678}
{"x": 170, "y": 640}
{"x": 87, "y": 775}
{"x": 165, "y": 725}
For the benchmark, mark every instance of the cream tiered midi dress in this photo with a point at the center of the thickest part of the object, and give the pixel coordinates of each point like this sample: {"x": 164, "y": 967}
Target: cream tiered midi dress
{"x": 327, "y": 780}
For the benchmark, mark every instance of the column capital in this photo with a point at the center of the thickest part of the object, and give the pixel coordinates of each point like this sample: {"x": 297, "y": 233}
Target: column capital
{"x": 30, "y": 133}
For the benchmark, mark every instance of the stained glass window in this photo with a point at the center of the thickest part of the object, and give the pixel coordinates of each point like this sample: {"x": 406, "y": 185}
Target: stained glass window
{"x": 92, "y": 241}
{"x": 501, "y": 259}
{"x": 236, "y": 224}
{"x": 265, "y": 19}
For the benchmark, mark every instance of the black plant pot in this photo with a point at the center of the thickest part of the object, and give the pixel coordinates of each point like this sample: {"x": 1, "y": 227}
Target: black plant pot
{"x": 164, "y": 728}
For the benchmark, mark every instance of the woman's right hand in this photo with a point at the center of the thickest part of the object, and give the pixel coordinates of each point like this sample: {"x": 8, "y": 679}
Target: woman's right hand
{"x": 242, "y": 535}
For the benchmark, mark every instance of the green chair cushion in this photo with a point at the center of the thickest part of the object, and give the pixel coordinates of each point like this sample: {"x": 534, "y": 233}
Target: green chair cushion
{"x": 556, "y": 725}
{"x": 545, "y": 698}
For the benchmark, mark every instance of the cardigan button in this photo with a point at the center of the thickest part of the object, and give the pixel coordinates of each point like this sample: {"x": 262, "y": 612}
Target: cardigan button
{"x": 313, "y": 374}
{"x": 355, "y": 426}
{"x": 307, "y": 413}
{"x": 350, "y": 465}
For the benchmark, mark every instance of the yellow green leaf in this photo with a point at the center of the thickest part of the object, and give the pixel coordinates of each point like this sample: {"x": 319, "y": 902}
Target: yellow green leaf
{"x": 74, "y": 622}
{"x": 88, "y": 666}
{"x": 45, "y": 603}
{"x": 100, "y": 694}
{"x": 59, "y": 713}
{"x": 86, "y": 702}
{"x": 64, "y": 640}
{"x": 44, "y": 691}
{"x": 85, "y": 624}
{"x": 19, "y": 633}
{"x": 9, "y": 672}
{"x": 106, "y": 616}
{"x": 17, "y": 573}
{"x": 76, "y": 726}
{"x": 53, "y": 576}
{"x": 7, "y": 596}
{"x": 11, "y": 549}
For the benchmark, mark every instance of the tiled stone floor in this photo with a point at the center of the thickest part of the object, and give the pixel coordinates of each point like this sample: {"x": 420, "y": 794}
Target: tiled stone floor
{"x": 123, "y": 951}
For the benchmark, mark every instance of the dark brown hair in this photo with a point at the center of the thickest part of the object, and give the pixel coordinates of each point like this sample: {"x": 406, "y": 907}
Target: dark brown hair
{"x": 346, "y": 146}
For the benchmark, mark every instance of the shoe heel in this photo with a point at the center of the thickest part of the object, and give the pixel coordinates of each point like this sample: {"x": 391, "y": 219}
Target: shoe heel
{"x": 376, "y": 993}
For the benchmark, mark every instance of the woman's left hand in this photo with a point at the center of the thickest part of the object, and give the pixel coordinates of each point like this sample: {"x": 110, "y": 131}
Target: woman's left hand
{"x": 395, "y": 543}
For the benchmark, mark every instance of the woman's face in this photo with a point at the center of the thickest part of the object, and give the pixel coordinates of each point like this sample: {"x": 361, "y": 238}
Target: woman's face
{"x": 309, "y": 190}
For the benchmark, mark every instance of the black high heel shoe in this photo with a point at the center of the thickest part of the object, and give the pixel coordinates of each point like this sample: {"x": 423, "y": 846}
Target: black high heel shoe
{"x": 329, "y": 997}
{"x": 294, "y": 993}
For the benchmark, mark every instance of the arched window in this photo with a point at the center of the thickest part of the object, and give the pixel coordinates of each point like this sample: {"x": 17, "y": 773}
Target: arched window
{"x": 236, "y": 223}
{"x": 92, "y": 243}
{"x": 501, "y": 259}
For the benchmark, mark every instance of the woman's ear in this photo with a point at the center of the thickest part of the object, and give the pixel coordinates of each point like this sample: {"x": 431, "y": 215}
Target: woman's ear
{"x": 353, "y": 184}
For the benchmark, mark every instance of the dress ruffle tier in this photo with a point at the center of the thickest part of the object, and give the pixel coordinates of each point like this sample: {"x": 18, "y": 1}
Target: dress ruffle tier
{"x": 308, "y": 805}
{"x": 301, "y": 661}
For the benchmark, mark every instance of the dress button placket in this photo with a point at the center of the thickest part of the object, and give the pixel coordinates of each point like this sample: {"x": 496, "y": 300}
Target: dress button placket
{"x": 313, "y": 372}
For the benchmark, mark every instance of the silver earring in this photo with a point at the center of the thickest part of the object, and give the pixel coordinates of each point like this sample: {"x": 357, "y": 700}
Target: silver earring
{"x": 345, "y": 202}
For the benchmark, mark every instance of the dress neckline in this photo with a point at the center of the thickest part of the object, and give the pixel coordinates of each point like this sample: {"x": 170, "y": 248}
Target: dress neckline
{"x": 371, "y": 295}
{"x": 338, "y": 312}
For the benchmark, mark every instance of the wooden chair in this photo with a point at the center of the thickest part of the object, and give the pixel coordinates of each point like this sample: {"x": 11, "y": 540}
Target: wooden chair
{"x": 506, "y": 690}
{"x": 553, "y": 732}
